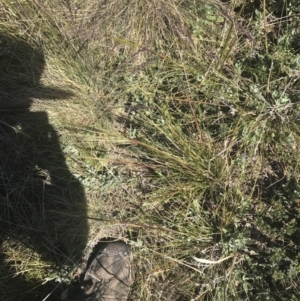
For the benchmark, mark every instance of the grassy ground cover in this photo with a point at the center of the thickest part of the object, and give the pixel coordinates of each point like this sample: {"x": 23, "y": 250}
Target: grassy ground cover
{"x": 173, "y": 125}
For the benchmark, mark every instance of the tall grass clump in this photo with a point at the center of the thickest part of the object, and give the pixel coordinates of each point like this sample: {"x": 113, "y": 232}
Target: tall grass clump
{"x": 219, "y": 134}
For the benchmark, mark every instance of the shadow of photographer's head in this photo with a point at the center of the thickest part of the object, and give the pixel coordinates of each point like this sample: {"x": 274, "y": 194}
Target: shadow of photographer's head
{"x": 21, "y": 68}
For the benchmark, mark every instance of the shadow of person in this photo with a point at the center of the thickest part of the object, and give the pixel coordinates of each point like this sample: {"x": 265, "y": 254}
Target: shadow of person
{"x": 42, "y": 205}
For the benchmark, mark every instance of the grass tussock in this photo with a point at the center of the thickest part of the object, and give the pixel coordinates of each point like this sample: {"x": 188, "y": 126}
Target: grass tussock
{"x": 173, "y": 125}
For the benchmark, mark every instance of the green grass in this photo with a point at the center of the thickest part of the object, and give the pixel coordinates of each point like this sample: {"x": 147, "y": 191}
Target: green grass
{"x": 172, "y": 125}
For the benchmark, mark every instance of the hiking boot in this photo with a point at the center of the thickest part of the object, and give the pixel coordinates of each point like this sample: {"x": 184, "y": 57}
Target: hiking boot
{"x": 108, "y": 275}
